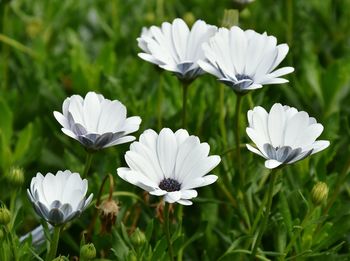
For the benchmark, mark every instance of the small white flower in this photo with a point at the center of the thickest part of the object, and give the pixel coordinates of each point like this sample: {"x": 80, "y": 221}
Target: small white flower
{"x": 244, "y": 60}
{"x": 176, "y": 48}
{"x": 59, "y": 198}
{"x": 284, "y": 135}
{"x": 37, "y": 235}
{"x": 96, "y": 122}
{"x": 169, "y": 164}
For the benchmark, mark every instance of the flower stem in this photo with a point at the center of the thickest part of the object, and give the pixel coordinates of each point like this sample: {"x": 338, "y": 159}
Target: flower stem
{"x": 54, "y": 243}
{"x": 296, "y": 234}
{"x": 160, "y": 102}
{"x": 87, "y": 164}
{"x": 184, "y": 103}
{"x": 237, "y": 138}
{"x": 167, "y": 231}
{"x": 11, "y": 242}
{"x": 262, "y": 227}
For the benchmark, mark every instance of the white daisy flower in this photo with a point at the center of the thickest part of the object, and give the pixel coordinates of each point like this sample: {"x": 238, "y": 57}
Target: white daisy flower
{"x": 96, "y": 122}
{"x": 284, "y": 135}
{"x": 176, "y": 48}
{"x": 59, "y": 198}
{"x": 169, "y": 164}
{"x": 244, "y": 60}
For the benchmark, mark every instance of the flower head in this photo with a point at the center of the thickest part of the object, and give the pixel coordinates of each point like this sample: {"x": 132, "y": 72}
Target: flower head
{"x": 176, "y": 48}
{"x": 284, "y": 135}
{"x": 96, "y": 122}
{"x": 59, "y": 198}
{"x": 244, "y": 60}
{"x": 169, "y": 164}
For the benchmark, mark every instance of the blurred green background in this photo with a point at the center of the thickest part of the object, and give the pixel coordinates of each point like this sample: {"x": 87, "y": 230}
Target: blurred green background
{"x": 52, "y": 49}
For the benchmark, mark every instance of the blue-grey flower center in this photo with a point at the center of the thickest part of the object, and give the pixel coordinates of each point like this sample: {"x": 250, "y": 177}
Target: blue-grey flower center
{"x": 283, "y": 154}
{"x": 170, "y": 185}
{"x": 243, "y": 81}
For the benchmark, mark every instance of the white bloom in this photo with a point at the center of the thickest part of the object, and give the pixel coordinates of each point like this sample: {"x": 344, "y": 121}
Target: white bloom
{"x": 284, "y": 135}
{"x": 96, "y": 122}
{"x": 59, "y": 198}
{"x": 37, "y": 235}
{"x": 244, "y": 60}
{"x": 169, "y": 164}
{"x": 176, "y": 48}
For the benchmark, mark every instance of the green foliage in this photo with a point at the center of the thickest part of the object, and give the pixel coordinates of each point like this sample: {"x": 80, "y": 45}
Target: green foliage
{"x": 52, "y": 49}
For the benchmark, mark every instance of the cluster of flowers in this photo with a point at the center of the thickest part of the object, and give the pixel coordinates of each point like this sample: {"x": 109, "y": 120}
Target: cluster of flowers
{"x": 173, "y": 164}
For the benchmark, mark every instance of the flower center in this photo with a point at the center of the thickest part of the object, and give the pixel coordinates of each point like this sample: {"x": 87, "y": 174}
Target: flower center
{"x": 244, "y": 81}
{"x": 169, "y": 185}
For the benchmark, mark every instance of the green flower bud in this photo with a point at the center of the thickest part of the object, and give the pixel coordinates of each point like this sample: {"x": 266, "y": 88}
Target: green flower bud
{"x": 150, "y": 17}
{"x": 231, "y": 18}
{"x": 319, "y": 193}
{"x": 132, "y": 256}
{"x": 138, "y": 238}
{"x": 16, "y": 177}
{"x": 5, "y": 216}
{"x": 87, "y": 252}
{"x": 60, "y": 258}
{"x": 189, "y": 18}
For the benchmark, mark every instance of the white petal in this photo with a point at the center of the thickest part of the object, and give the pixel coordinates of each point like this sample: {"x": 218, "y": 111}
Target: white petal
{"x": 91, "y": 111}
{"x": 271, "y": 164}
{"x": 172, "y": 197}
{"x": 295, "y": 125}
{"x": 276, "y": 125}
{"x": 320, "y": 145}
{"x": 167, "y": 151}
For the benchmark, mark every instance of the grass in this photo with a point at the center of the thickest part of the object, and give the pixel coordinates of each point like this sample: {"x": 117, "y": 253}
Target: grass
{"x": 52, "y": 49}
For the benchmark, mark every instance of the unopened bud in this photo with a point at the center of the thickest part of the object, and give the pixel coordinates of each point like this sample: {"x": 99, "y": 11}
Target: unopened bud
{"x": 231, "y": 18}
{"x": 16, "y": 177}
{"x": 108, "y": 214}
{"x": 189, "y": 18}
{"x": 137, "y": 238}
{"x": 150, "y": 17}
{"x": 319, "y": 193}
{"x": 60, "y": 258}
{"x": 132, "y": 256}
{"x": 5, "y": 216}
{"x": 87, "y": 252}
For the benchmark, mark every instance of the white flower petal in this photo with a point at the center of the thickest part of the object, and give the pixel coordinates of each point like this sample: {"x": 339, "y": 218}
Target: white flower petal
{"x": 167, "y": 151}
{"x": 271, "y": 164}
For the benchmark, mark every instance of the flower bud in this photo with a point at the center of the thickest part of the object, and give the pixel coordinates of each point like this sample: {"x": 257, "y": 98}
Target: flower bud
{"x": 137, "y": 238}
{"x": 87, "y": 252}
{"x": 60, "y": 258}
{"x": 189, "y": 18}
{"x": 16, "y": 177}
{"x": 5, "y": 216}
{"x": 319, "y": 193}
{"x": 132, "y": 256}
{"x": 108, "y": 214}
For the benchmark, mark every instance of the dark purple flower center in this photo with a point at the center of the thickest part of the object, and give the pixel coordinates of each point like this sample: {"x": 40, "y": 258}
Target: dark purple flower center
{"x": 170, "y": 185}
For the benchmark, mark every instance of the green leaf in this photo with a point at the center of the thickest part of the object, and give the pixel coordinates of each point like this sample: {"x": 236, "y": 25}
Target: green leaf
{"x": 23, "y": 142}
{"x": 6, "y": 121}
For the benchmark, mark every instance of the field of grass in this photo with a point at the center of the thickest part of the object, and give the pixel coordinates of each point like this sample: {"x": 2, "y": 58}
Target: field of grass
{"x": 50, "y": 50}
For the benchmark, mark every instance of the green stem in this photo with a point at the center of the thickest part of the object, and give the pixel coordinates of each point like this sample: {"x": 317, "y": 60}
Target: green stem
{"x": 11, "y": 242}
{"x": 160, "y": 101}
{"x": 237, "y": 138}
{"x": 54, "y": 243}
{"x": 167, "y": 231}
{"x": 180, "y": 218}
{"x": 184, "y": 103}
{"x": 87, "y": 164}
{"x": 297, "y": 234}
{"x": 262, "y": 227}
